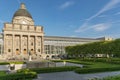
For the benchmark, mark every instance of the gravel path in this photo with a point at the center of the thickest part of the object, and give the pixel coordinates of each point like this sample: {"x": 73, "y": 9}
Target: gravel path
{"x": 73, "y": 76}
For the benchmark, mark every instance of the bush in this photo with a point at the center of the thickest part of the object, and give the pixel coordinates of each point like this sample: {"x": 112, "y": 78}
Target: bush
{"x": 111, "y": 78}
{"x": 50, "y": 69}
{"x": 6, "y": 63}
{"x": 18, "y": 62}
{"x": 94, "y": 70}
{"x": 20, "y": 75}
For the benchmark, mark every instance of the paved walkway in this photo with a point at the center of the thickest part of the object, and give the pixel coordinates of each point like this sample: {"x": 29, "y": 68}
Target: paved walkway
{"x": 73, "y": 76}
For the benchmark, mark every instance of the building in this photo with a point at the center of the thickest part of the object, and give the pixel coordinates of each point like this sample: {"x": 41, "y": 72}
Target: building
{"x": 21, "y": 38}
{"x": 54, "y": 46}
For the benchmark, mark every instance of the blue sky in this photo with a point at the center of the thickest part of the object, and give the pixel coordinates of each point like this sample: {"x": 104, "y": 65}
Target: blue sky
{"x": 72, "y": 18}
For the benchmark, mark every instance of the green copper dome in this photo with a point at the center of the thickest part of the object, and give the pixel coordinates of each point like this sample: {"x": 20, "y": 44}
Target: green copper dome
{"x": 22, "y": 12}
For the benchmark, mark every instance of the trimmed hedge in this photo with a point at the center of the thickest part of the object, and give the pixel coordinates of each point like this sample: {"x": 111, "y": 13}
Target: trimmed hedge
{"x": 94, "y": 70}
{"x": 50, "y": 69}
{"x": 6, "y": 63}
{"x": 79, "y": 62}
{"x": 111, "y": 78}
{"x": 19, "y": 76}
{"x": 104, "y": 60}
{"x": 18, "y": 62}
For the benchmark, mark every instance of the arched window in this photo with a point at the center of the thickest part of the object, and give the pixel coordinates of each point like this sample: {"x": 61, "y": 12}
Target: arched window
{"x": 9, "y": 50}
{"x": 38, "y": 50}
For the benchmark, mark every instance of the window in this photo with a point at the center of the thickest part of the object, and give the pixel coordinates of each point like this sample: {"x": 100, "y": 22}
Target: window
{"x": 38, "y": 50}
{"x": 17, "y": 49}
{"x": 31, "y": 49}
{"x": 31, "y": 43}
{"x": 9, "y": 50}
{"x": 24, "y": 49}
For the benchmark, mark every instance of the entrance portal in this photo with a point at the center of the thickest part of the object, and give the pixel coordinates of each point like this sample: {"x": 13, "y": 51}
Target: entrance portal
{"x": 25, "y": 51}
{"x": 32, "y": 51}
{"x": 17, "y": 51}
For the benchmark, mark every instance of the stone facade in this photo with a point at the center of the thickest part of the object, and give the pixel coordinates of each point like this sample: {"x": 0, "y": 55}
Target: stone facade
{"x": 21, "y": 37}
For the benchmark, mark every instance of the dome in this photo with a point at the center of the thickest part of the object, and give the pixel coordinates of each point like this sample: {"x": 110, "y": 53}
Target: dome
{"x": 22, "y": 12}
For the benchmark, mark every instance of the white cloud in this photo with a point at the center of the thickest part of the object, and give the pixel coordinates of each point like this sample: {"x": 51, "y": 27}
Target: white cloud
{"x": 66, "y": 4}
{"x": 73, "y": 36}
{"x": 102, "y": 16}
{"x": 84, "y": 27}
{"x": 107, "y": 7}
{"x": 110, "y": 5}
{"x": 101, "y": 27}
{"x": 97, "y": 27}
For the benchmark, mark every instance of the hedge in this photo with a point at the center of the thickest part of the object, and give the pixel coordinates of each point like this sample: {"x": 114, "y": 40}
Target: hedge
{"x": 94, "y": 70}
{"x": 50, "y": 69}
{"x": 104, "y": 60}
{"x": 111, "y": 78}
{"x": 19, "y": 76}
{"x": 6, "y": 63}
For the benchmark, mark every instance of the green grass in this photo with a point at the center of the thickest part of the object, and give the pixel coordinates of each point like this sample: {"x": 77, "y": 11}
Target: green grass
{"x": 2, "y": 73}
{"x": 93, "y": 66}
{"x": 111, "y": 78}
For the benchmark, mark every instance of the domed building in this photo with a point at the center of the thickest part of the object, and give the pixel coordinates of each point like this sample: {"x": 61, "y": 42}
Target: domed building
{"x": 21, "y": 37}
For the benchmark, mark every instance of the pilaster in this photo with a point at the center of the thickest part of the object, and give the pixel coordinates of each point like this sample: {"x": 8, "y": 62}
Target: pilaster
{"x": 13, "y": 50}
{"x": 21, "y": 51}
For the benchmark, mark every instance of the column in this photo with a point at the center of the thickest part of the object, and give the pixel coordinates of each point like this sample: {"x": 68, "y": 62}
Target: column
{"x": 4, "y": 40}
{"x": 28, "y": 45}
{"x": 21, "y": 51}
{"x": 42, "y": 44}
{"x": 1, "y": 49}
{"x": 35, "y": 45}
{"x": 13, "y": 53}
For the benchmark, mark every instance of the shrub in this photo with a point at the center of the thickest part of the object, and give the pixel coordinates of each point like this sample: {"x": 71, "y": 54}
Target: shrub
{"x": 111, "y": 78}
{"x": 18, "y": 62}
{"x": 50, "y": 69}
{"x": 6, "y": 63}
{"x": 94, "y": 70}
{"x": 18, "y": 76}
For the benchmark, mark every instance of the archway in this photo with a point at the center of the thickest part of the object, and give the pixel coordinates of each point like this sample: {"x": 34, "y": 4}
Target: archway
{"x": 47, "y": 57}
{"x": 17, "y": 51}
{"x": 25, "y": 51}
{"x": 32, "y": 51}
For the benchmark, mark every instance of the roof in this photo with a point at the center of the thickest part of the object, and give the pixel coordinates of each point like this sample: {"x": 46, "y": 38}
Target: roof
{"x": 59, "y": 38}
{"x": 22, "y": 11}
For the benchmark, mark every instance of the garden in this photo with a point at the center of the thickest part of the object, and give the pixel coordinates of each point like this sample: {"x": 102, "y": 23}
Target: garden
{"x": 80, "y": 54}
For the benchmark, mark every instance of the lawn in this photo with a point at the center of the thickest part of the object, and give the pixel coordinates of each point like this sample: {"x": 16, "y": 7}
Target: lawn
{"x": 93, "y": 66}
{"x": 90, "y": 64}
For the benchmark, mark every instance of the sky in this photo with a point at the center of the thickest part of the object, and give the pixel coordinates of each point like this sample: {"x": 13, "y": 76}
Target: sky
{"x": 71, "y": 18}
